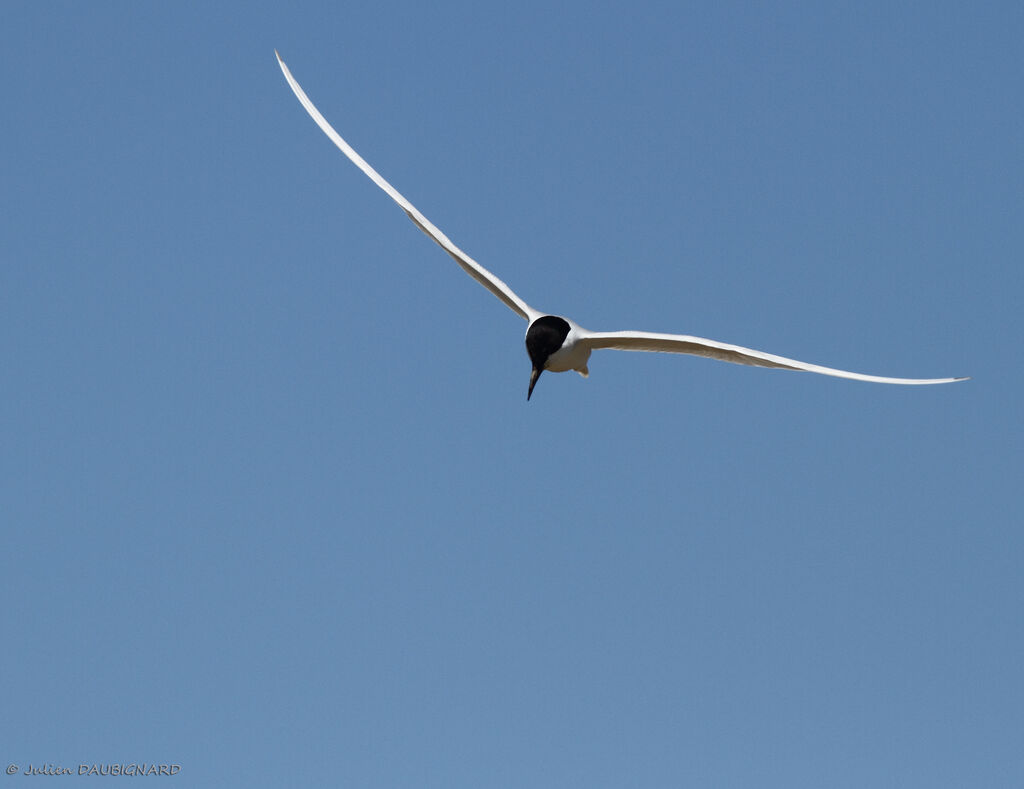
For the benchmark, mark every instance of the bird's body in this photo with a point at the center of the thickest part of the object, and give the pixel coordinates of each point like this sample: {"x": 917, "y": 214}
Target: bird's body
{"x": 572, "y": 355}
{"x": 557, "y": 343}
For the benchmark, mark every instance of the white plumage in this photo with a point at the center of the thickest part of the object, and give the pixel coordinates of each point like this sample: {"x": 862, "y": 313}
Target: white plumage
{"x": 559, "y": 344}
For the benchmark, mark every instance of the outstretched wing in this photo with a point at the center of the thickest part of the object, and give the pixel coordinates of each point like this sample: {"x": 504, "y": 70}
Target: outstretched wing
{"x": 470, "y": 266}
{"x": 698, "y": 346}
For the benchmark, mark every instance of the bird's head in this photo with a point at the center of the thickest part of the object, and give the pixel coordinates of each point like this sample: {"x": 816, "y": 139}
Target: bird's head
{"x": 543, "y": 338}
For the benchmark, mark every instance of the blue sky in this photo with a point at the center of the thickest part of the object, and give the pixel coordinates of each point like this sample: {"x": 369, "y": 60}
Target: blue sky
{"x": 275, "y": 507}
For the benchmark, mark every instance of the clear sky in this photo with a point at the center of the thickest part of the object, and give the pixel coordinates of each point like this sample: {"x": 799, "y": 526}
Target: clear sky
{"x": 274, "y": 505}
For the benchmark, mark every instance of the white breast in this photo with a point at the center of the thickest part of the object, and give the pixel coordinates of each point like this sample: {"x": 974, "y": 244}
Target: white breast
{"x": 573, "y": 354}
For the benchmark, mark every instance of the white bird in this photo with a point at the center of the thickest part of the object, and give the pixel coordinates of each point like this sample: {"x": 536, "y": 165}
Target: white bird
{"x": 557, "y": 343}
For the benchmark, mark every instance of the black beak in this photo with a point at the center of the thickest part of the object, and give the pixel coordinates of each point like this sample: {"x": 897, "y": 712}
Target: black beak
{"x": 533, "y": 381}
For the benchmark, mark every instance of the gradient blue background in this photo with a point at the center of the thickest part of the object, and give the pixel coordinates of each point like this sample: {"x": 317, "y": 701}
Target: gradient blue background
{"x": 275, "y": 508}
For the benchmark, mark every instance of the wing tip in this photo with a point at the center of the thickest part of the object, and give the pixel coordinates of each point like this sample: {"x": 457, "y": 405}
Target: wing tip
{"x": 943, "y": 380}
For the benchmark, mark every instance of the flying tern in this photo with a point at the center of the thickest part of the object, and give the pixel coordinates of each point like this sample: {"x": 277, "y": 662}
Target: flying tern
{"x": 555, "y": 342}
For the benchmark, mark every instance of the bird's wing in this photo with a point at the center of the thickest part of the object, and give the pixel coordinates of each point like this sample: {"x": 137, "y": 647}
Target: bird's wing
{"x": 698, "y": 346}
{"x": 471, "y": 267}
